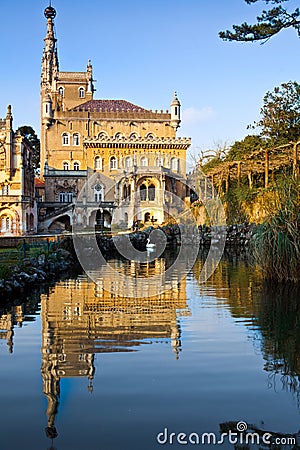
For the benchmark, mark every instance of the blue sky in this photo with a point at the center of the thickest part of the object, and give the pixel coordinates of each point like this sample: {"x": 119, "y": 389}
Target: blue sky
{"x": 142, "y": 51}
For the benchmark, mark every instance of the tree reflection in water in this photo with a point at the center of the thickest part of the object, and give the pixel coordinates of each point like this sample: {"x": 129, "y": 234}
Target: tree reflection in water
{"x": 270, "y": 312}
{"x": 278, "y": 319}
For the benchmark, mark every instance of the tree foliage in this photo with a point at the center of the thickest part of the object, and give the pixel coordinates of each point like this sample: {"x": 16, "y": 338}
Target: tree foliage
{"x": 241, "y": 148}
{"x": 31, "y": 136}
{"x": 269, "y": 23}
{"x": 280, "y": 114}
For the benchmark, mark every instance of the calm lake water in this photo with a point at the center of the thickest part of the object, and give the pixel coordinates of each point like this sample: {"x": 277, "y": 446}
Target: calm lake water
{"x": 105, "y": 372}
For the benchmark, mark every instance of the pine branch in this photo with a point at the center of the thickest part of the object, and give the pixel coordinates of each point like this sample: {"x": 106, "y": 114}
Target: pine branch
{"x": 268, "y": 24}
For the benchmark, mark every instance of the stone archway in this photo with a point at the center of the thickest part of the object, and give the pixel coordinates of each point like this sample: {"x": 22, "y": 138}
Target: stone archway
{"x": 107, "y": 219}
{"x": 60, "y": 224}
{"x": 100, "y": 219}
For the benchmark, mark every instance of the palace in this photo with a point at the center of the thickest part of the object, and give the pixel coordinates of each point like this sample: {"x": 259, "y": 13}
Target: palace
{"x": 117, "y": 162}
{"x": 18, "y": 211}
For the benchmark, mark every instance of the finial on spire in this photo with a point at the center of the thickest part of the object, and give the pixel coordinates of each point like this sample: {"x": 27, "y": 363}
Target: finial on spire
{"x": 175, "y": 100}
{"x": 50, "y": 12}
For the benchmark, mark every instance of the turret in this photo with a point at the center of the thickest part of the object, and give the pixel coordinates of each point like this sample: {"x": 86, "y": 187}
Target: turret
{"x": 89, "y": 70}
{"x": 8, "y": 141}
{"x": 175, "y": 112}
{"x": 47, "y": 110}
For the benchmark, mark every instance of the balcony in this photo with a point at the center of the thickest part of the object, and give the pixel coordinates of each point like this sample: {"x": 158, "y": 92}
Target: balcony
{"x": 65, "y": 173}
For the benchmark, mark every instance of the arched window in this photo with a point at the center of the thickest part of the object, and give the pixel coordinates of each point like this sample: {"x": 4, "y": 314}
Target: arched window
{"x": 76, "y": 139}
{"x": 81, "y": 92}
{"x": 31, "y": 221}
{"x": 128, "y": 162}
{"x": 113, "y": 163}
{"x": 76, "y": 165}
{"x": 158, "y": 161}
{"x": 133, "y": 136}
{"x": 174, "y": 164}
{"x": 143, "y": 193}
{"x": 118, "y": 136}
{"x": 102, "y": 135}
{"x": 98, "y": 163}
{"x": 144, "y": 161}
{"x": 150, "y": 136}
{"x": 151, "y": 192}
{"x": 5, "y": 223}
{"x": 61, "y": 91}
{"x": 66, "y": 165}
{"x": 126, "y": 192}
{"x": 98, "y": 193}
{"x": 65, "y": 139}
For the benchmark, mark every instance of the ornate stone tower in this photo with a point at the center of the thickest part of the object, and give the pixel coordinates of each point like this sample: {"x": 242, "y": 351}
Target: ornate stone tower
{"x": 60, "y": 91}
{"x": 17, "y": 201}
{"x": 48, "y": 77}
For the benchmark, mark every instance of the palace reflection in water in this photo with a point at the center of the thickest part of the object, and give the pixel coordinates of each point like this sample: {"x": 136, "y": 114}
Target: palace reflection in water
{"x": 81, "y": 319}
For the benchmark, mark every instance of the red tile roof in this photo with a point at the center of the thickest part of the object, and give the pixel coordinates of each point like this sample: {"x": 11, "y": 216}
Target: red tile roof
{"x": 110, "y": 105}
{"x": 39, "y": 183}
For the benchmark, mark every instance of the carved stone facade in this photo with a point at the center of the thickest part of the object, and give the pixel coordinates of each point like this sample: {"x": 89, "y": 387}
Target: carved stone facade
{"x": 117, "y": 161}
{"x": 18, "y": 212}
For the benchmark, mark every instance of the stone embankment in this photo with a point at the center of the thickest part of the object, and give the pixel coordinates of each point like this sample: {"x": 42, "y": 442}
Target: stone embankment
{"x": 235, "y": 236}
{"x": 35, "y": 271}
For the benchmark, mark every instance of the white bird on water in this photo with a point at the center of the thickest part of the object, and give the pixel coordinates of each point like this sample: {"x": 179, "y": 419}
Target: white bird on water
{"x": 150, "y": 245}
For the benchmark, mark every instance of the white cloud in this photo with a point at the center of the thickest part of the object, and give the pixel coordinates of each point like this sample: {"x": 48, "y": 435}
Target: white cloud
{"x": 193, "y": 115}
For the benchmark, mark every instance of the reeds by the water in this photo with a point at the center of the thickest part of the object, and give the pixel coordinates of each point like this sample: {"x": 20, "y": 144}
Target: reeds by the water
{"x": 276, "y": 245}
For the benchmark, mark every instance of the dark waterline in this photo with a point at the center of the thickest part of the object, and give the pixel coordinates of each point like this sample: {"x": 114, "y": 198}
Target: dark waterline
{"x": 111, "y": 373}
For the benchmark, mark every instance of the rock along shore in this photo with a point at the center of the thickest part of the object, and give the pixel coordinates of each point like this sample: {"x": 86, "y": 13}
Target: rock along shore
{"x": 35, "y": 271}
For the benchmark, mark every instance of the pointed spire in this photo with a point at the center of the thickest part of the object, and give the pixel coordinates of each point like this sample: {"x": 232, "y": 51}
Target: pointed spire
{"x": 175, "y": 100}
{"x": 9, "y": 119}
{"x": 8, "y": 114}
{"x": 89, "y": 69}
{"x": 49, "y": 60}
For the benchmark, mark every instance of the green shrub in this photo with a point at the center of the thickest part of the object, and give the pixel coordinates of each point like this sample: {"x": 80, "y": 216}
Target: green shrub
{"x": 276, "y": 245}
